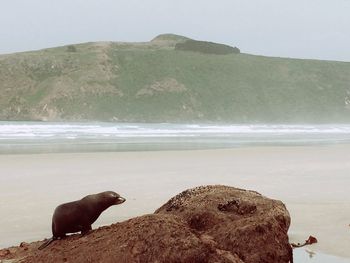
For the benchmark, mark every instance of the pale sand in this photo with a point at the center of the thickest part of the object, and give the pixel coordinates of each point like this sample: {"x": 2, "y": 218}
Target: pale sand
{"x": 314, "y": 183}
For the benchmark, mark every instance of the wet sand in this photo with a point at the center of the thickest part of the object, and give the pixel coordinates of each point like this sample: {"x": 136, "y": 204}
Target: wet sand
{"x": 312, "y": 181}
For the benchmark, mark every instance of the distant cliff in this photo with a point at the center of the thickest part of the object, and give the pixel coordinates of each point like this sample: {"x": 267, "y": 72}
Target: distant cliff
{"x": 161, "y": 81}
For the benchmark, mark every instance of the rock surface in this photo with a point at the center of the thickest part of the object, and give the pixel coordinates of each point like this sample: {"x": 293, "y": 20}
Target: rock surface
{"x": 204, "y": 224}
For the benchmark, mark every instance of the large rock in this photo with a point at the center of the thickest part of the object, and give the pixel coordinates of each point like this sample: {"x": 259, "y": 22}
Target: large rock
{"x": 243, "y": 222}
{"x": 204, "y": 224}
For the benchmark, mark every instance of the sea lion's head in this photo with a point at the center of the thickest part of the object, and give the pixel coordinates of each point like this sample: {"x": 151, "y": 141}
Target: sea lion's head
{"x": 111, "y": 198}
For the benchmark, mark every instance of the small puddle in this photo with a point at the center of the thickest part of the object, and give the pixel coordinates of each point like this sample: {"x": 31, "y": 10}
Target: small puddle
{"x": 300, "y": 255}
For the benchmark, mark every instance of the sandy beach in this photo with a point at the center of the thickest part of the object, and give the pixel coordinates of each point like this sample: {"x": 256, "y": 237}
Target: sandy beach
{"x": 312, "y": 181}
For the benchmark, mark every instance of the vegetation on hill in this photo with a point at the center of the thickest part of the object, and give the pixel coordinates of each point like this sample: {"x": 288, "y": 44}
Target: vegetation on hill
{"x": 206, "y": 47}
{"x": 170, "y": 37}
{"x": 154, "y": 82}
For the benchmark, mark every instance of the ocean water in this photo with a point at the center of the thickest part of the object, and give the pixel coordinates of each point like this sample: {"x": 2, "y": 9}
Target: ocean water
{"x": 33, "y": 137}
{"x": 36, "y": 137}
{"x": 301, "y": 255}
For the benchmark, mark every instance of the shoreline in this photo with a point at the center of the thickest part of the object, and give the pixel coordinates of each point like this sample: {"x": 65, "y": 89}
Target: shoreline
{"x": 310, "y": 180}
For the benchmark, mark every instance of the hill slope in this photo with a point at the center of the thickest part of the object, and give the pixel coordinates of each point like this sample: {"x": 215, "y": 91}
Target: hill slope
{"x": 153, "y": 82}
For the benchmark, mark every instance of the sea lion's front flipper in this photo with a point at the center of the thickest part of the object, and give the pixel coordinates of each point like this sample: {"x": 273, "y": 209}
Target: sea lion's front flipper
{"x": 86, "y": 230}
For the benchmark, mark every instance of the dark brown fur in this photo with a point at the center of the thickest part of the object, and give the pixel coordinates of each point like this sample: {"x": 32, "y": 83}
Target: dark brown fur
{"x": 78, "y": 216}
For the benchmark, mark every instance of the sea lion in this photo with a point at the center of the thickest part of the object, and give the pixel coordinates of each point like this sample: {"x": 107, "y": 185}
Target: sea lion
{"x": 78, "y": 216}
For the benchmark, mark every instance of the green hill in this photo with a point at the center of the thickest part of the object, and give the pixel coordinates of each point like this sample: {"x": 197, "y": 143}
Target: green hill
{"x": 154, "y": 82}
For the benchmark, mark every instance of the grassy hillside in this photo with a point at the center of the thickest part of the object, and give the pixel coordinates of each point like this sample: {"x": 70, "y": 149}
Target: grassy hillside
{"x": 153, "y": 82}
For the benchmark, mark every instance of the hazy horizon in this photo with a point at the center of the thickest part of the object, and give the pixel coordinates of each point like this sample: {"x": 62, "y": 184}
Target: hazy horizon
{"x": 314, "y": 29}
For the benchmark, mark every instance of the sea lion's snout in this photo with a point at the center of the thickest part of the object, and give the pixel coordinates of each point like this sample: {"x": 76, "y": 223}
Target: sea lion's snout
{"x": 115, "y": 198}
{"x": 120, "y": 200}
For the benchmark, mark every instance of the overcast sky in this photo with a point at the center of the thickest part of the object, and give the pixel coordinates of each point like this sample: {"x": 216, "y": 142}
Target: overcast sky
{"x": 317, "y": 29}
